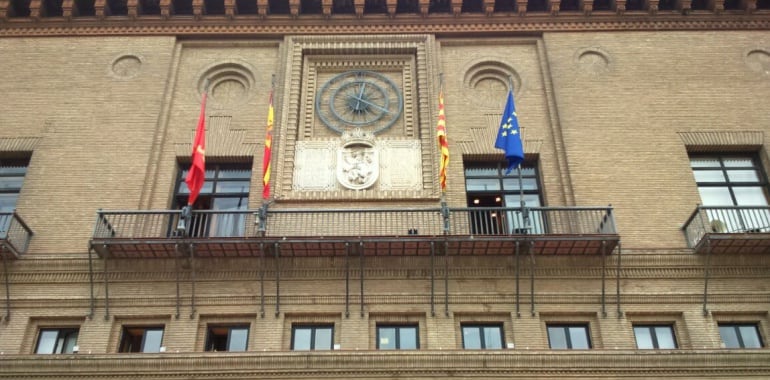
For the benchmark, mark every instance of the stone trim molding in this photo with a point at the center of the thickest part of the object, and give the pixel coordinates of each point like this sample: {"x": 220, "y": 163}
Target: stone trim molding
{"x": 715, "y": 141}
{"x": 413, "y": 364}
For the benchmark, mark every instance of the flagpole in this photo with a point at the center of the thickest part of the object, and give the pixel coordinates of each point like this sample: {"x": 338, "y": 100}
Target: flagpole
{"x": 443, "y": 152}
{"x": 522, "y": 204}
{"x": 266, "y": 163}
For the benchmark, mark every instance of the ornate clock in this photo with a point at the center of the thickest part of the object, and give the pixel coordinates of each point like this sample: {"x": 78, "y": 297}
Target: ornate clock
{"x": 359, "y": 99}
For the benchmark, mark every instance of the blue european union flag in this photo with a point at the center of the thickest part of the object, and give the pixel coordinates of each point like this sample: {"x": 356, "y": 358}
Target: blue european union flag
{"x": 509, "y": 135}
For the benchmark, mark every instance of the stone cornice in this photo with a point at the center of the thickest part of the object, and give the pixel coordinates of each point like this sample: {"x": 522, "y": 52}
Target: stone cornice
{"x": 444, "y": 25}
{"x": 340, "y": 364}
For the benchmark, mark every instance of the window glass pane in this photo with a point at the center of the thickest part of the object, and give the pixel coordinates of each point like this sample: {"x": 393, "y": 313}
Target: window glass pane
{"x": 715, "y": 196}
{"x": 579, "y": 337}
{"x": 513, "y": 183}
{"x": 482, "y": 184}
{"x": 729, "y": 336}
{"x": 11, "y": 183}
{"x": 557, "y": 337}
{"x": 8, "y": 202}
{"x": 235, "y": 173}
{"x": 643, "y": 338}
{"x": 233, "y": 187}
{"x": 210, "y": 173}
{"x": 481, "y": 172}
{"x": 750, "y": 196}
{"x": 471, "y": 337}
{"x": 492, "y": 337}
{"x": 239, "y": 337}
{"x": 152, "y": 340}
{"x": 47, "y": 341}
{"x": 738, "y": 162}
{"x": 408, "y": 338}
{"x": 13, "y": 169}
{"x": 302, "y": 338}
{"x": 387, "y": 338}
{"x": 709, "y": 176}
{"x": 704, "y": 162}
{"x": 323, "y": 338}
{"x": 70, "y": 341}
{"x": 743, "y": 176}
{"x": 665, "y": 335}
{"x": 525, "y": 172}
{"x": 750, "y": 336}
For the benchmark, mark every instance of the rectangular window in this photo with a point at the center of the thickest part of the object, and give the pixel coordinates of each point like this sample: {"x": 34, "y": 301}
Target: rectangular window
{"x": 569, "y": 337}
{"x": 395, "y": 337}
{"x": 744, "y": 335}
{"x": 225, "y": 193}
{"x": 57, "y": 340}
{"x": 483, "y": 337}
{"x": 12, "y": 174}
{"x": 318, "y": 337}
{"x": 725, "y": 181}
{"x": 651, "y": 337}
{"x": 227, "y": 338}
{"x": 141, "y": 339}
{"x": 497, "y": 198}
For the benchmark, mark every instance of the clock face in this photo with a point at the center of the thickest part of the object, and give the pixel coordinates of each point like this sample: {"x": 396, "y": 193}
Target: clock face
{"x": 356, "y": 99}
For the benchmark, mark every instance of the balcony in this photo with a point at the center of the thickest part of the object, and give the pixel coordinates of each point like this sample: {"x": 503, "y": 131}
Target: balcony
{"x": 14, "y": 235}
{"x": 729, "y": 229}
{"x": 367, "y": 232}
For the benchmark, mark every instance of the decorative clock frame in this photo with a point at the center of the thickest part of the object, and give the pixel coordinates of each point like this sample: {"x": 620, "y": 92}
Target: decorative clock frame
{"x": 317, "y": 147}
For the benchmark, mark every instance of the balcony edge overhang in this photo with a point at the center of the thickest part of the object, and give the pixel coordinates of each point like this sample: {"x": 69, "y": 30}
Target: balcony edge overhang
{"x": 452, "y": 245}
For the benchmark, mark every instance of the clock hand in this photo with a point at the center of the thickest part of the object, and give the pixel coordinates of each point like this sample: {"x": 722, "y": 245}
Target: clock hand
{"x": 361, "y": 94}
{"x": 383, "y": 109}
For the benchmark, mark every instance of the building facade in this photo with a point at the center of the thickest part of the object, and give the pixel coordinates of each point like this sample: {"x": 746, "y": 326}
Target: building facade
{"x": 632, "y": 242}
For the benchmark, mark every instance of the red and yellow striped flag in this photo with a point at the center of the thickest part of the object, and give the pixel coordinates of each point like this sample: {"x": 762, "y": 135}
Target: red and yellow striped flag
{"x": 268, "y": 151}
{"x": 442, "y": 141}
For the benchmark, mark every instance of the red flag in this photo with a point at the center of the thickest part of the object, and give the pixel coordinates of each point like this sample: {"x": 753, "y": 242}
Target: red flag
{"x": 442, "y": 141}
{"x": 197, "y": 173}
{"x": 268, "y": 151}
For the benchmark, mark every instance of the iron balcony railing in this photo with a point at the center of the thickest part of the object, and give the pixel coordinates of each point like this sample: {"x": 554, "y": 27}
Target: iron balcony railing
{"x": 14, "y": 233}
{"x": 726, "y": 220}
{"x": 354, "y": 222}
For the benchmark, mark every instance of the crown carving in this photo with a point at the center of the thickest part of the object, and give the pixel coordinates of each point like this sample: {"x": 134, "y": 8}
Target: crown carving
{"x": 357, "y": 136}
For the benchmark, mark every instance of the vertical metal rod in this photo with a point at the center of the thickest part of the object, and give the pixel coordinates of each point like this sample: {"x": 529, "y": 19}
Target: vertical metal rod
{"x": 261, "y": 280}
{"x": 347, "y": 280}
{"x": 532, "y": 276}
{"x": 706, "y": 276}
{"x": 432, "y": 279}
{"x": 106, "y": 288}
{"x": 277, "y": 281}
{"x": 617, "y": 282}
{"x": 192, "y": 283}
{"x": 361, "y": 275}
{"x": 90, "y": 282}
{"x": 176, "y": 271}
{"x": 518, "y": 292}
{"x": 604, "y": 277}
{"x": 446, "y": 279}
{"x": 7, "y": 287}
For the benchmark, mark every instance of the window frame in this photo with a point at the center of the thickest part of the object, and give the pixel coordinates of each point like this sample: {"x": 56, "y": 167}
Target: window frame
{"x": 652, "y": 330}
{"x": 736, "y": 327}
{"x": 479, "y": 327}
{"x": 127, "y": 340}
{"x": 5, "y": 173}
{"x": 63, "y": 336}
{"x": 568, "y": 339}
{"x": 314, "y": 328}
{"x": 210, "y": 335}
{"x": 724, "y": 170}
{"x": 486, "y": 220}
{"x": 398, "y": 328}
{"x": 180, "y": 196}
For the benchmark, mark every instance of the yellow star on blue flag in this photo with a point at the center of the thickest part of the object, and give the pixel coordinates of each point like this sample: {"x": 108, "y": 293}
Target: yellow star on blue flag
{"x": 509, "y": 135}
